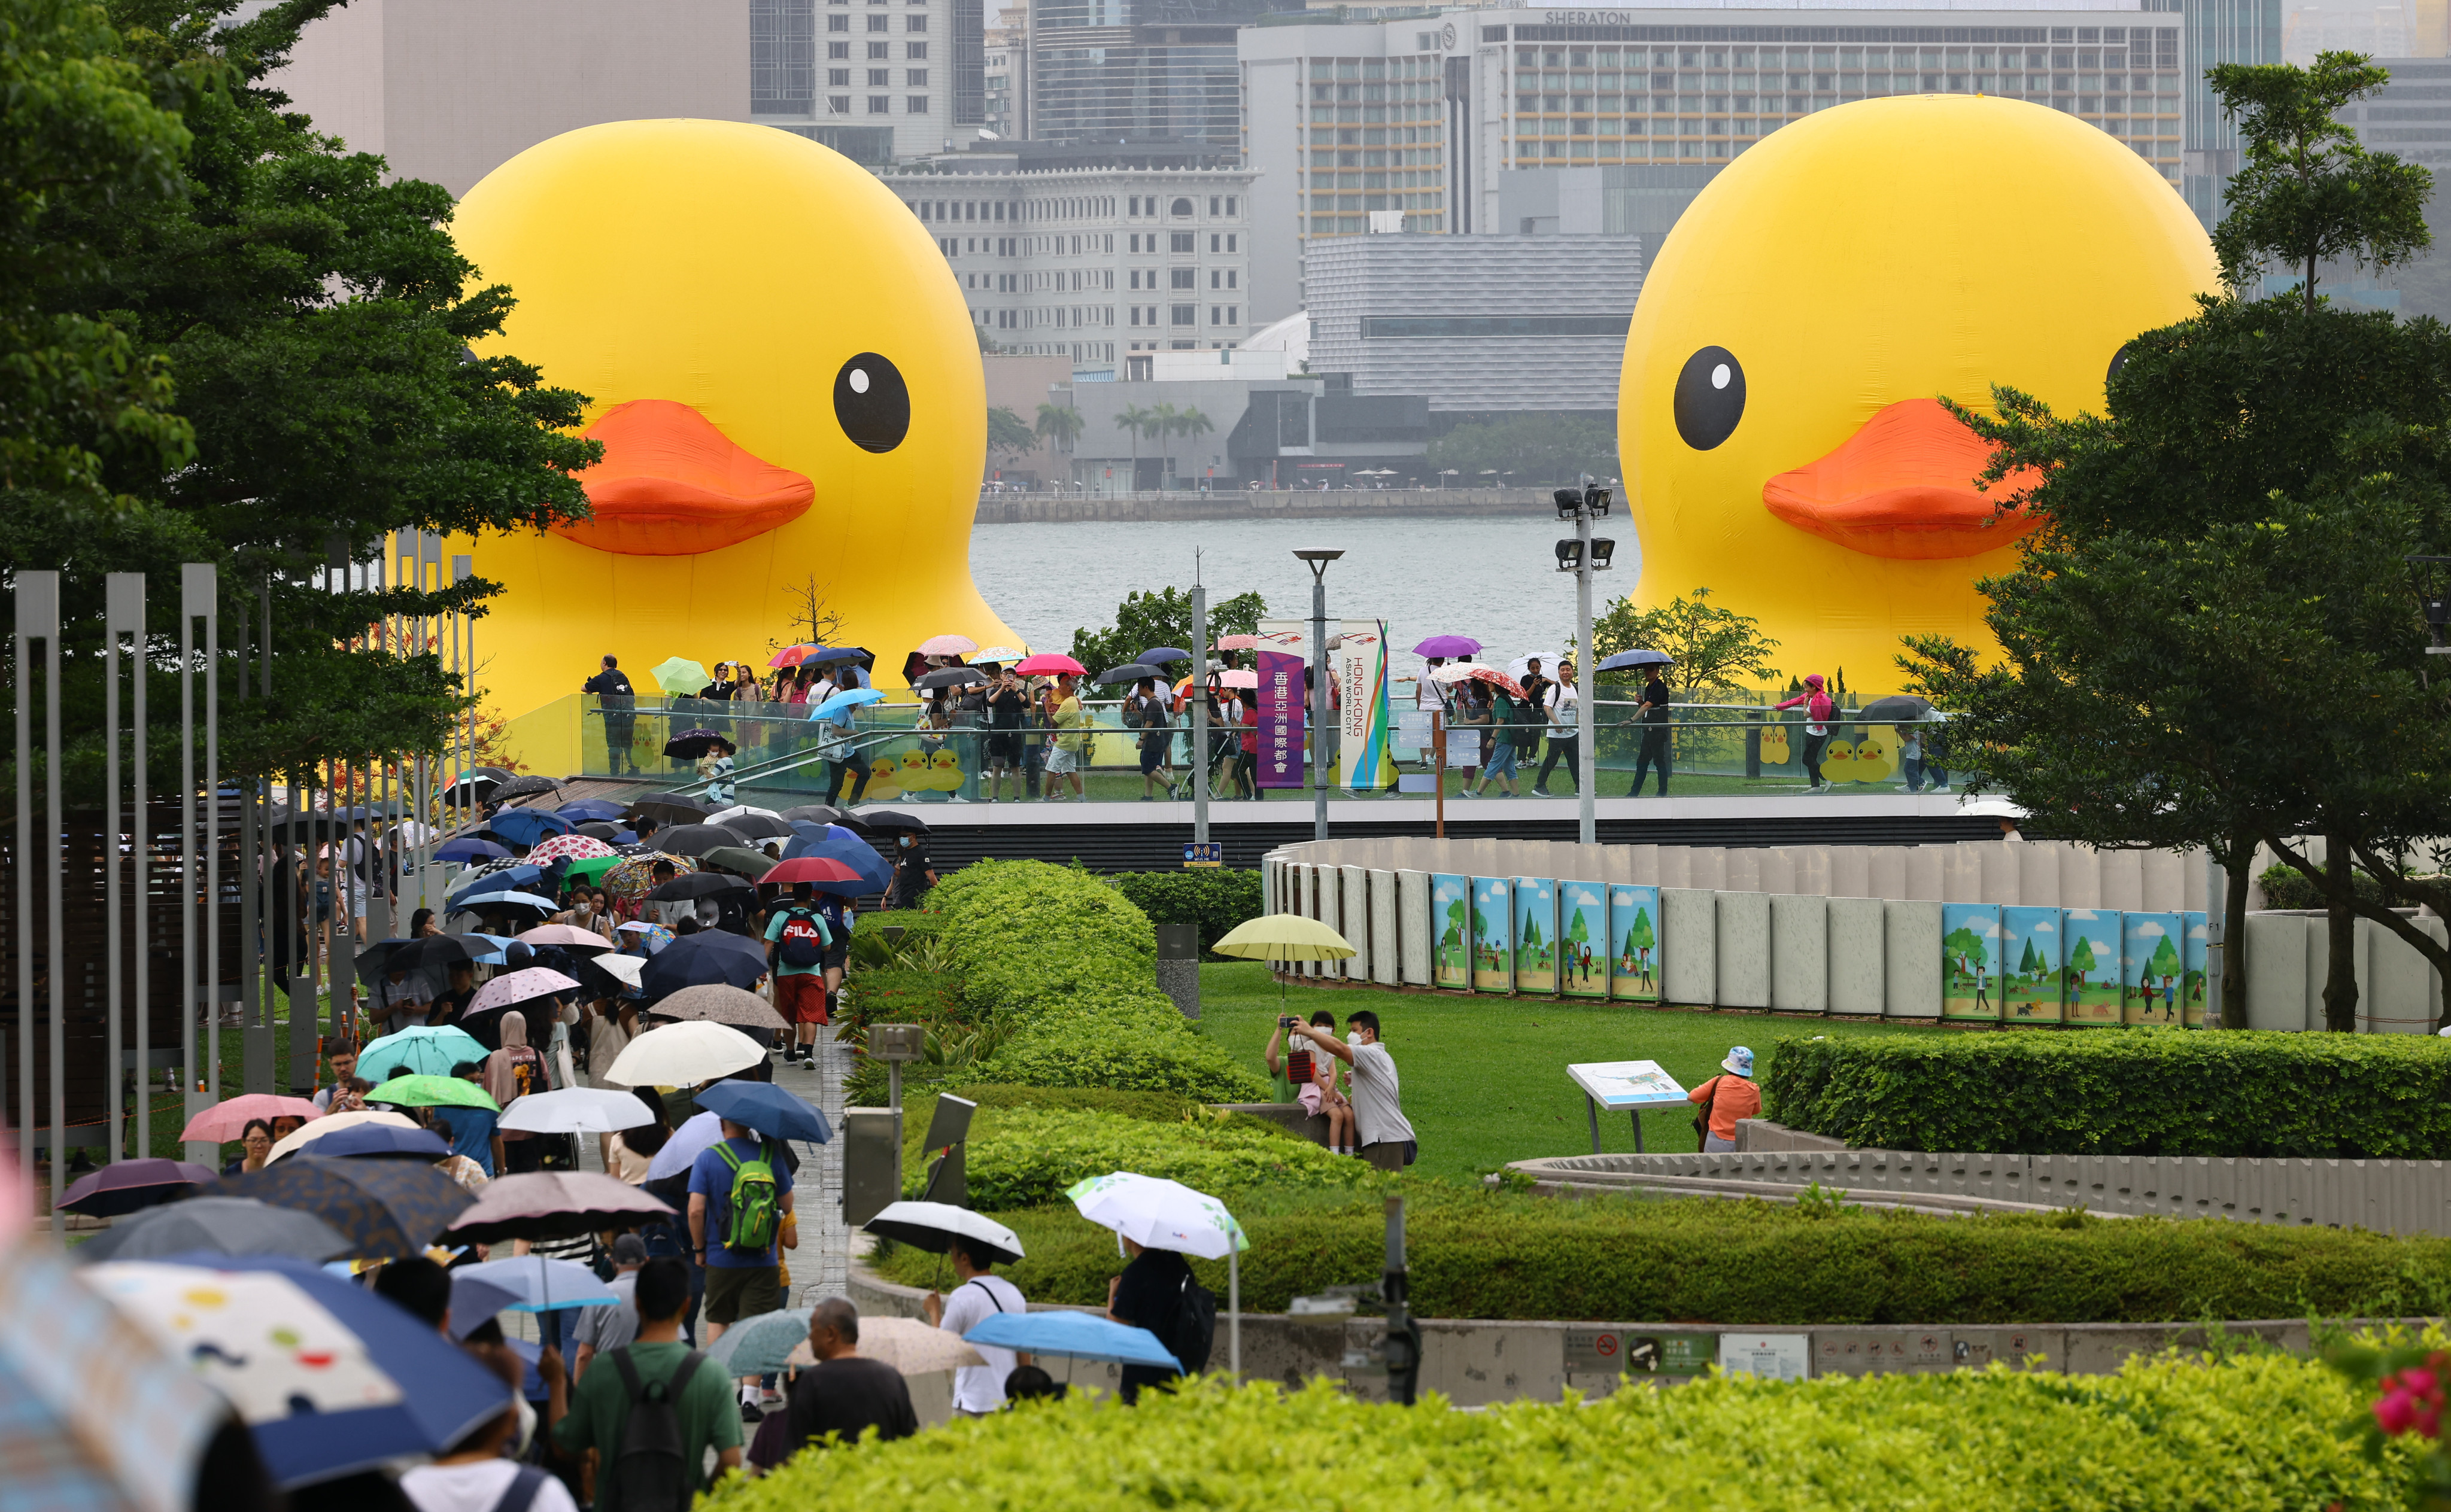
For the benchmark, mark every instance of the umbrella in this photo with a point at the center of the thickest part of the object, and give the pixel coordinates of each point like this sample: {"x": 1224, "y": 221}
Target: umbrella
{"x": 737, "y": 859}
{"x": 951, "y": 677}
{"x": 933, "y": 1226}
{"x": 1448, "y": 646}
{"x": 911, "y": 1347}
{"x": 1480, "y": 675}
{"x": 1048, "y": 662}
{"x": 1128, "y": 672}
{"x": 822, "y": 872}
{"x": 1990, "y": 807}
{"x": 475, "y": 778}
{"x": 671, "y": 808}
{"x": 577, "y": 1110}
{"x": 1000, "y": 655}
{"x": 540, "y": 1284}
{"x": 231, "y": 1225}
{"x": 433, "y": 1092}
{"x": 590, "y": 808}
{"x": 763, "y": 1344}
{"x": 566, "y": 935}
{"x": 382, "y": 1141}
{"x": 468, "y": 848}
{"x": 948, "y": 646}
{"x": 1159, "y": 1215}
{"x": 718, "y": 1003}
{"x": 438, "y": 951}
{"x": 1522, "y": 665}
{"x": 789, "y": 656}
{"x": 1238, "y": 677}
{"x": 1283, "y": 936}
{"x": 517, "y": 987}
{"x": 812, "y": 814}
{"x": 654, "y": 936}
{"x": 474, "y": 1301}
{"x": 709, "y": 956}
{"x": 332, "y": 1124}
{"x": 386, "y": 1209}
{"x": 1159, "y": 655}
{"x": 679, "y": 675}
{"x": 574, "y": 846}
{"x": 605, "y": 830}
{"x": 522, "y": 787}
{"x": 1076, "y": 1335}
{"x": 894, "y": 821}
{"x": 632, "y": 879}
{"x": 1897, "y": 708}
{"x": 843, "y": 843}
{"x": 525, "y": 826}
{"x": 131, "y": 1185}
{"x": 227, "y": 1119}
{"x": 696, "y": 1135}
{"x": 704, "y": 883}
{"x": 739, "y": 811}
{"x": 692, "y": 743}
{"x": 848, "y": 699}
{"x": 422, "y": 1049}
{"x": 826, "y": 654}
{"x": 1625, "y": 659}
{"x": 502, "y": 900}
{"x": 768, "y": 1108}
{"x": 1238, "y": 643}
{"x": 374, "y": 961}
{"x": 330, "y": 1379}
{"x": 493, "y": 949}
{"x": 623, "y": 969}
{"x": 555, "y": 1204}
{"x": 697, "y": 840}
{"x": 683, "y": 1055}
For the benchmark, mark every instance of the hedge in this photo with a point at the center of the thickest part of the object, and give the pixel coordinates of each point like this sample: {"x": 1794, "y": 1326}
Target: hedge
{"x": 2138, "y": 1092}
{"x": 2255, "y": 1433}
{"x": 1025, "y": 1156}
{"x": 1478, "y": 1254}
{"x": 1214, "y": 900}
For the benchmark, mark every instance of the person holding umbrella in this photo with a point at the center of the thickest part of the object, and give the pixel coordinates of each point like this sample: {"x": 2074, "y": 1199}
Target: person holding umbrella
{"x": 1653, "y": 716}
{"x": 1072, "y": 751}
{"x": 978, "y": 1389}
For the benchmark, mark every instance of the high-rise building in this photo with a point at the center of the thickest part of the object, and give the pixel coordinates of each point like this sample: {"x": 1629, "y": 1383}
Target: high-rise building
{"x": 877, "y": 80}
{"x": 1101, "y": 70}
{"x": 1419, "y": 116}
{"x": 2219, "y": 31}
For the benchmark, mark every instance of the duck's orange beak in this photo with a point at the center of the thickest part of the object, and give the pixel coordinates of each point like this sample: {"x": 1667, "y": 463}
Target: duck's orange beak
{"x": 1903, "y": 486}
{"x": 673, "y": 485}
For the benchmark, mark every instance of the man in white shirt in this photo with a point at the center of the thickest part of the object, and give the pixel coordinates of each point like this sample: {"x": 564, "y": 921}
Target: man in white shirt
{"x": 1563, "y": 704}
{"x": 978, "y": 1389}
{"x": 1386, "y": 1136}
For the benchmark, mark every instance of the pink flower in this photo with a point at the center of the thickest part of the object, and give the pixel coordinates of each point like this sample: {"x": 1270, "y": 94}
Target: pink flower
{"x": 2419, "y": 1383}
{"x": 2395, "y": 1412}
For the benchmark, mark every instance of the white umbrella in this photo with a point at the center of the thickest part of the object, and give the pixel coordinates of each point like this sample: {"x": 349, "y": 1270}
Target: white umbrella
{"x": 736, "y": 810}
{"x": 931, "y": 1226}
{"x": 1516, "y": 668}
{"x": 1457, "y": 671}
{"x": 682, "y": 1151}
{"x": 683, "y": 1055}
{"x": 624, "y": 969}
{"x": 333, "y": 1123}
{"x": 1160, "y": 1215}
{"x": 910, "y": 1346}
{"x": 577, "y": 1110}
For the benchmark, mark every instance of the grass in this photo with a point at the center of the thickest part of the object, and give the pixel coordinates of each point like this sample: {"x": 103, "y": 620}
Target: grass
{"x": 1484, "y": 1077}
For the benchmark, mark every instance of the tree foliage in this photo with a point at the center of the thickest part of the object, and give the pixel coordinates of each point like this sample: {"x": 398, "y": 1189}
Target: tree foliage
{"x": 1162, "y": 618}
{"x": 1713, "y": 647}
{"x": 1008, "y": 435}
{"x": 1527, "y": 449}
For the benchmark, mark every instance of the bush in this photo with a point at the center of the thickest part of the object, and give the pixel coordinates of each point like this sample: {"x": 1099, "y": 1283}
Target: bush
{"x": 2140, "y": 1092}
{"x": 1084, "y": 1050}
{"x": 1739, "y": 1264}
{"x": 1024, "y": 934}
{"x": 2288, "y": 887}
{"x": 2256, "y": 1433}
{"x": 1215, "y": 901}
{"x": 886, "y": 995}
{"x": 1021, "y": 1157}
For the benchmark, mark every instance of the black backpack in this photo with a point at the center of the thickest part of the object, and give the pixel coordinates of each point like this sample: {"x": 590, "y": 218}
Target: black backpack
{"x": 1195, "y": 1326}
{"x": 652, "y": 1472}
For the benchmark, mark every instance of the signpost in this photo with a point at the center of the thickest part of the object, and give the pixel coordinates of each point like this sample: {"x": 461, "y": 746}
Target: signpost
{"x": 1633, "y": 1085}
{"x": 1204, "y": 853}
{"x": 1635, "y": 1350}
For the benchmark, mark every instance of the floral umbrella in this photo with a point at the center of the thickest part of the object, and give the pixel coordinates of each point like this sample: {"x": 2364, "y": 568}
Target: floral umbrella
{"x": 633, "y": 879}
{"x": 577, "y": 847}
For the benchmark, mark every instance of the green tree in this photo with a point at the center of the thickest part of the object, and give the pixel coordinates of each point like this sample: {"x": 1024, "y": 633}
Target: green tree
{"x": 1713, "y": 647}
{"x": 2164, "y": 963}
{"x": 1135, "y": 418}
{"x": 1456, "y": 922}
{"x": 1641, "y": 939}
{"x": 1163, "y": 618}
{"x": 1008, "y": 435}
{"x": 1577, "y": 933}
{"x": 1534, "y": 448}
{"x": 2308, "y": 191}
{"x": 1059, "y": 424}
{"x": 1190, "y": 424}
{"x": 2081, "y": 960}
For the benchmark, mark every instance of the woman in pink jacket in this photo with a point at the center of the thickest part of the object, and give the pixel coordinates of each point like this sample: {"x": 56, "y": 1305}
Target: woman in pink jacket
{"x": 1817, "y": 712}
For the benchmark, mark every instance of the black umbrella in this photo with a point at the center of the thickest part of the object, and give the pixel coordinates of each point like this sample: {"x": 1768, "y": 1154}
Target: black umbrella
{"x": 671, "y": 808}
{"x": 375, "y": 959}
{"x": 598, "y": 830}
{"x": 522, "y": 787}
{"x": 387, "y": 1210}
{"x": 433, "y": 950}
{"x": 709, "y": 956}
{"x": 692, "y": 743}
{"x": 697, "y": 840}
{"x": 820, "y": 814}
{"x": 756, "y": 827}
{"x": 699, "y": 885}
{"x": 233, "y": 1226}
{"x": 1159, "y": 655}
{"x": 951, "y": 677}
{"x": 476, "y": 784}
{"x": 1128, "y": 672}
{"x": 1894, "y": 709}
{"x": 825, "y": 655}
{"x": 893, "y": 821}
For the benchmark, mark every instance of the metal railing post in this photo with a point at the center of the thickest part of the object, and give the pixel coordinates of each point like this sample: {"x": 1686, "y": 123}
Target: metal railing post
{"x": 38, "y": 619}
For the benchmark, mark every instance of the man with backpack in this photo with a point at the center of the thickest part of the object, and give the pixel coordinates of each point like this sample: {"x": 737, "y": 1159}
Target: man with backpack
{"x": 978, "y": 1389}
{"x": 740, "y": 1192}
{"x": 1157, "y": 1292}
{"x": 651, "y": 1409}
{"x": 799, "y": 938}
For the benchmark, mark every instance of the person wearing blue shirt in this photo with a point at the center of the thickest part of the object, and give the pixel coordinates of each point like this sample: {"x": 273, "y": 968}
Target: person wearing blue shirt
{"x": 739, "y": 1283}
{"x": 473, "y": 1131}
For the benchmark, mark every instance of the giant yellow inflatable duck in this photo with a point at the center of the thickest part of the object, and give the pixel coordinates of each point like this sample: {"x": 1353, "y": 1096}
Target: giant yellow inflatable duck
{"x": 785, "y": 379}
{"x": 1776, "y": 415}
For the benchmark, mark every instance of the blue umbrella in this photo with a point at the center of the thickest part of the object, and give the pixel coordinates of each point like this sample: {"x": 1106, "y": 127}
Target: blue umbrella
{"x": 474, "y": 1301}
{"x": 493, "y": 954}
{"x": 584, "y": 810}
{"x": 759, "y": 1345}
{"x": 834, "y": 842}
{"x": 385, "y": 1209}
{"x": 693, "y": 961}
{"x": 768, "y": 1108}
{"x": 848, "y": 699}
{"x": 420, "y": 1049}
{"x": 383, "y": 1140}
{"x": 1079, "y": 1335}
{"x": 468, "y": 848}
{"x": 1625, "y": 659}
{"x": 484, "y": 883}
{"x": 525, "y": 826}
{"x": 823, "y": 654}
{"x": 442, "y": 1391}
{"x": 539, "y": 1284}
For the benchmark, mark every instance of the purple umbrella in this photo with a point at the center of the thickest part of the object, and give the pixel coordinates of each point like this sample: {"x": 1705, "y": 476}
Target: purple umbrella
{"x": 134, "y": 1184}
{"x": 1448, "y": 646}
{"x": 555, "y": 1204}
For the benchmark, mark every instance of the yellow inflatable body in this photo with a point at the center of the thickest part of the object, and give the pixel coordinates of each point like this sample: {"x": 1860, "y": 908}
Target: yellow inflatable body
{"x": 786, "y": 384}
{"x": 1776, "y": 415}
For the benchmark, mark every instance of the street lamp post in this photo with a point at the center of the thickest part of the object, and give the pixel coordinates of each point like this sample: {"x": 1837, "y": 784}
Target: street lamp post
{"x": 1583, "y": 557}
{"x": 1318, "y": 561}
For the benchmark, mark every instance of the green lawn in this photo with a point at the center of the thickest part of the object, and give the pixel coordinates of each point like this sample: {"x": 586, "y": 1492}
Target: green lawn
{"x": 1484, "y": 1079}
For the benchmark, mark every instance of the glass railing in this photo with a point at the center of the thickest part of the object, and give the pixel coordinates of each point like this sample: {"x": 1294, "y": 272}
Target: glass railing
{"x": 893, "y": 752}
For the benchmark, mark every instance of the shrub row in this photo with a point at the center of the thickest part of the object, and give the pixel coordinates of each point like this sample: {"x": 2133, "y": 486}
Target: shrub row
{"x": 2138, "y": 1091}
{"x": 1214, "y": 900}
{"x": 2257, "y": 1433}
{"x": 1024, "y": 1156}
{"x": 1479, "y": 1254}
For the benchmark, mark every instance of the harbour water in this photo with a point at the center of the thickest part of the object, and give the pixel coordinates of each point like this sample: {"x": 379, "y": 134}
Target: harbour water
{"x": 1493, "y": 578}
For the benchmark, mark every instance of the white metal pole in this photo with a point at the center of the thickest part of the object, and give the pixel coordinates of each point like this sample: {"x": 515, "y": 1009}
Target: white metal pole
{"x": 1586, "y": 728}
{"x": 1199, "y": 712}
{"x": 1234, "y": 1311}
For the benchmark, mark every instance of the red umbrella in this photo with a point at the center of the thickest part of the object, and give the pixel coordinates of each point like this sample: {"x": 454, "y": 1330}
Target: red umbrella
{"x": 1047, "y": 662}
{"x": 809, "y": 870}
{"x": 790, "y": 656}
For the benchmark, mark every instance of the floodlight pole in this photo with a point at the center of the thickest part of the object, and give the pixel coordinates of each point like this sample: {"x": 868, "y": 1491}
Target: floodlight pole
{"x": 1199, "y": 707}
{"x": 1586, "y": 728}
{"x": 1316, "y": 562}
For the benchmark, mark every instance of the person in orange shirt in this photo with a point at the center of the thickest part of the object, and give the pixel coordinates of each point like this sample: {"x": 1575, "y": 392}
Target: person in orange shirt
{"x": 1725, "y": 1099}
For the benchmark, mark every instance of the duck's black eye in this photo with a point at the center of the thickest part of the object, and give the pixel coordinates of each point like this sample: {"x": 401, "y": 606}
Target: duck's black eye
{"x": 1710, "y": 398}
{"x": 2118, "y": 360}
{"x": 871, "y": 403}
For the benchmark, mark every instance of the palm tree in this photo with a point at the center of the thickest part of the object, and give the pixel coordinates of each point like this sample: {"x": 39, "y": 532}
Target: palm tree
{"x": 1191, "y": 425}
{"x": 1162, "y": 419}
{"x": 1134, "y": 419}
{"x": 1060, "y": 423}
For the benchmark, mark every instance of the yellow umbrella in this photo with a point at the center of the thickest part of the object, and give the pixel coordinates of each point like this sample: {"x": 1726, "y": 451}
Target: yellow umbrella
{"x": 1283, "y": 936}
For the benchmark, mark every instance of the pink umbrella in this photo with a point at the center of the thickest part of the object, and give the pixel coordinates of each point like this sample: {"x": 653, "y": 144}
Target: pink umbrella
{"x": 1237, "y": 643}
{"x": 1239, "y": 677}
{"x": 948, "y": 646}
{"x": 225, "y": 1120}
{"x": 517, "y": 987}
{"x": 553, "y": 1205}
{"x": 1047, "y": 662}
{"x": 566, "y": 935}
{"x": 577, "y": 847}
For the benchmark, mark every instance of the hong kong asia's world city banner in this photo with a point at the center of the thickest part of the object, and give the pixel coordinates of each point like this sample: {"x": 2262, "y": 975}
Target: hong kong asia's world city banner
{"x": 1357, "y": 691}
